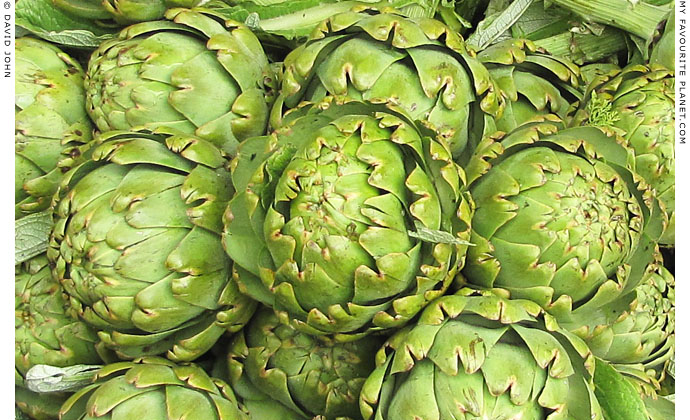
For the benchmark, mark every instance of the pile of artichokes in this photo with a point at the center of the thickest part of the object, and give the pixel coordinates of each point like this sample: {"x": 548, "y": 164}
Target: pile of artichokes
{"x": 344, "y": 210}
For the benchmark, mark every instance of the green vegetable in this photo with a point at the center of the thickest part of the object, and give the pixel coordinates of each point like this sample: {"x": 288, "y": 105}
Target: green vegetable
{"x": 533, "y": 83}
{"x": 636, "y": 334}
{"x": 137, "y": 248}
{"x": 313, "y": 376}
{"x": 559, "y": 218}
{"x": 153, "y": 388}
{"x": 319, "y": 226}
{"x": 368, "y": 55}
{"x": 45, "y": 333}
{"x": 52, "y": 130}
{"x": 638, "y": 103}
{"x": 195, "y": 73}
{"x": 477, "y": 355}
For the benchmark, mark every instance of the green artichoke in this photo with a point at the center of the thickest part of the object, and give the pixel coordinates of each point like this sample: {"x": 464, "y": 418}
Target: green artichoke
{"x": 638, "y": 102}
{"x": 52, "y": 129}
{"x": 533, "y": 82}
{"x": 45, "y": 334}
{"x": 482, "y": 356}
{"x": 153, "y": 389}
{"x": 560, "y": 218}
{"x": 349, "y": 219}
{"x": 136, "y": 245}
{"x": 313, "y": 376}
{"x": 196, "y": 73}
{"x": 121, "y": 11}
{"x": 368, "y": 55}
{"x": 637, "y": 334}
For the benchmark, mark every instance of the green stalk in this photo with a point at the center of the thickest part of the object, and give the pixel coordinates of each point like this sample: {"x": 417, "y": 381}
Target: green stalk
{"x": 307, "y": 18}
{"x": 641, "y": 19}
{"x": 584, "y": 48}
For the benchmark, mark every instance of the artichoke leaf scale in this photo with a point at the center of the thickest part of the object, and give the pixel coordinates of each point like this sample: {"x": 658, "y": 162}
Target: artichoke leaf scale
{"x": 358, "y": 61}
{"x": 441, "y": 75}
{"x": 385, "y": 210}
{"x": 202, "y": 81}
{"x": 146, "y": 261}
{"x": 26, "y": 151}
{"x": 149, "y": 405}
{"x": 189, "y": 404}
{"x": 158, "y": 309}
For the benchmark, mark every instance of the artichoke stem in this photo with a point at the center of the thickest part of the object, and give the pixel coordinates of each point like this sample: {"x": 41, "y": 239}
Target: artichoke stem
{"x": 641, "y": 19}
{"x": 584, "y": 48}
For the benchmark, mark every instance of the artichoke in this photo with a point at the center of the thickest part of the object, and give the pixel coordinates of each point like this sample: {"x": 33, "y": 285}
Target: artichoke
{"x": 136, "y": 245}
{"x": 196, "y": 73}
{"x": 52, "y": 129}
{"x": 313, "y": 376}
{"x": 534, "y": 83}
{"x": 121, "y": 11}
{"x": 347, "y": 220}
{"x": 638, "y": 102}
{"x": 560, "y": 219}
{"x": 481, "y": 356}
{"x": 637, "y": 333}
{"x": 368, "y": 55}
{"x": 153, "y": 388}
{"x": 45, "y": 334}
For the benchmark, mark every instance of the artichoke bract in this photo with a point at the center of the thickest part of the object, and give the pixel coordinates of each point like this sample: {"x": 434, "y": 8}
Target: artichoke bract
{"x": 45, "y": 333}
{"x": 347, "y": 220}
{"x": 560, "y": 218}
{"x": 52, "y": 129}
{"x": 638, "y": 102}
{"x": 121, "y": 11}
{"x": 418, "y": 63}
{"x": 636, "y": 334}
{"x": 472, "y": 355}
{"x": 137, "y": 247}
{"x": 313, "y": 376}
{"x": 196, "y": 73}
{"x": 153, "y": 388}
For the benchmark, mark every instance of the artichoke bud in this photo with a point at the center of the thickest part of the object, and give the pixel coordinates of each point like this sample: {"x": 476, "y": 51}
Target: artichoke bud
{"x": 157, "y": 387}
{"x": 52, "y": 130}
{"x": 329, "y": 241}
{"x": 532, "y": 82}
{"x": 368, "y": 54}
{"x": 45, "y": 334}
{"x": 452, "y": 364}
{"x": 136, "y": 245}
{"x": 638, "y": 104}
{"x": 195, "y": 73}
{"x": 309, "y": 375}
{"x": 636, "y": 334}
{"x": 560, "y": 219}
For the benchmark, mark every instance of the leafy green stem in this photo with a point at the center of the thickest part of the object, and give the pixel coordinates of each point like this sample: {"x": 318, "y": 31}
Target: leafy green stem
{"x": 639, "y": 18}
